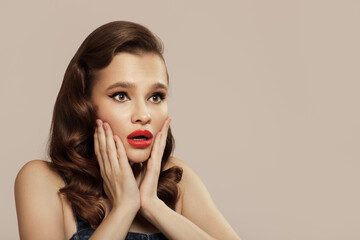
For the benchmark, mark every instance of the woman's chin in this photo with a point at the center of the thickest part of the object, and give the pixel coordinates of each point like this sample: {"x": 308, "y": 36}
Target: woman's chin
{"x": 138, "y": 157}
{"x": 137, "y": 160}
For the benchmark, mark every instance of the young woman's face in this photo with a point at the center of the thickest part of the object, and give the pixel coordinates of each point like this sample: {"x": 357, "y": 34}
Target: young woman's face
{"x": 131, "y": 94}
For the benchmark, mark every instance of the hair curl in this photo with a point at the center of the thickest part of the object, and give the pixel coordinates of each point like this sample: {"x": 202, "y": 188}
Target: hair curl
{"x": 71, "y": 143}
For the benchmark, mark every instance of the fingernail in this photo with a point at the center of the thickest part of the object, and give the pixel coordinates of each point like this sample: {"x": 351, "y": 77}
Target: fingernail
{"x": 105, "y": 125}
{"x": 99, "y": 122}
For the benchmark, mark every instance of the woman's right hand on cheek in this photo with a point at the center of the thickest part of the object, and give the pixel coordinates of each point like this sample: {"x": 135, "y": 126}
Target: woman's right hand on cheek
{"x": 119, "y": 182}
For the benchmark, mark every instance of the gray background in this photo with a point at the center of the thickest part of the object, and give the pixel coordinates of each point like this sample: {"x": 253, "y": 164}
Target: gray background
{"x": 264, "y": 99}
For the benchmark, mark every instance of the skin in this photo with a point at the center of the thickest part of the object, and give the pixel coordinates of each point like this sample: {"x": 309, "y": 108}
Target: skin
{"x": 140, "y": 107}
{"x": 133, "y": 203}
{"x": 136, "y": 104}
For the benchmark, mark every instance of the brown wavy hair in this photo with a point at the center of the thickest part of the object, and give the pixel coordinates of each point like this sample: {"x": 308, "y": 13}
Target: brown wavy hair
{"x": 71, "y": 143}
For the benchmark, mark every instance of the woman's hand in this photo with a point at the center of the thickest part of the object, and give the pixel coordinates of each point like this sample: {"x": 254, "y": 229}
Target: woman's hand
{"x": 118, "y": 179}
{"x": 152, "y": 168}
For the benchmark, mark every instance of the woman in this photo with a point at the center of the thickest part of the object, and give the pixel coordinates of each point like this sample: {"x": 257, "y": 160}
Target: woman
{"x": 111, "y": 174}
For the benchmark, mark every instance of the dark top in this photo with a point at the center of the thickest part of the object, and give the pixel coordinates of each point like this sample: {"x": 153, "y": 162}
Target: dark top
{"x": 84, "y": 231}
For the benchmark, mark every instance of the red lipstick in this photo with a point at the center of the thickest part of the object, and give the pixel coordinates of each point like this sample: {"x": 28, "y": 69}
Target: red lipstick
{"x": 140, "y": 138}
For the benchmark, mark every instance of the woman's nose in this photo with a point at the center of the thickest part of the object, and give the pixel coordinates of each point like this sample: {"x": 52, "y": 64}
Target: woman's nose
{"x": 141, "y": 114}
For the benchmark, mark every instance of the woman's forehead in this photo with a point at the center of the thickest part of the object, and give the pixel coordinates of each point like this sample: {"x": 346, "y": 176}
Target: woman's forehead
{"x": 130, "y": 70}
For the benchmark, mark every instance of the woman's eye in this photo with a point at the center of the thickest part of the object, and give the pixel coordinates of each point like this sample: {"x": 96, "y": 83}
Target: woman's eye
{"x": 120, "y": 96}
{"x": 157, "y": 97}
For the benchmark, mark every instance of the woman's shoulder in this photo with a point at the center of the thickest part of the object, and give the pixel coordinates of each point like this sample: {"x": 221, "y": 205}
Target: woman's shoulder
{"x": 176, "y": 162}
{"x": 195, "y": 200}
{"x": 190, "y": 180}
{"x": 37, "y": 197}
{"x": 35, "y": 165}
{"x": 38, "y": 173}
{"x": 192, "y": 187}
{"x": 39, "y": 167}
{"x": 188, "y": 173}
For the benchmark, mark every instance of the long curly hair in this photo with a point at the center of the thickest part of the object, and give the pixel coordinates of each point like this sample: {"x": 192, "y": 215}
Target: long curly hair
{"x": 71, "y": 143}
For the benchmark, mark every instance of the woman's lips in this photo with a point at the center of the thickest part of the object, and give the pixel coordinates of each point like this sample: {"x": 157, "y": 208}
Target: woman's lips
{"x": 140, "y": 138}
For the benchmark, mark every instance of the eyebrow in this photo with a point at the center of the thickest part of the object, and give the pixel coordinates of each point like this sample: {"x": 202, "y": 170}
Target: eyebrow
{"x": 132, "y": 85}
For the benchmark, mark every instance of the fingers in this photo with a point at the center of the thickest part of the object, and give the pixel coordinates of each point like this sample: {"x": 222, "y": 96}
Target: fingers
{"x": 121, "y": 154}
{"x": 105, "y": 149}
{"x": 110, "y": 147}
{"x": 148, "y": 187}
{"x": 160, "y": 140}
{"x": 102, "y": 146}
{"x": 97, "y": 148}
{"x": 101, "y": 149}
{"x": 166, "y": 125}
{"x": 158, "y": 147}
{"x": 165, "y": 130}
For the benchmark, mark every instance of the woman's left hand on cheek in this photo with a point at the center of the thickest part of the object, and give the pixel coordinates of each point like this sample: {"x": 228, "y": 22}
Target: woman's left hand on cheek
{"x": 148, "y": 187}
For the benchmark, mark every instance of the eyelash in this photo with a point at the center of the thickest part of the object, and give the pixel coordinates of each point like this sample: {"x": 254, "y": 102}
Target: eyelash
{"x": 158, "y": 94}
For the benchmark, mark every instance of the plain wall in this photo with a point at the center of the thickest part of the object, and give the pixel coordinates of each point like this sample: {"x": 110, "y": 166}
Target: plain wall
{"x": 264, "y": 99}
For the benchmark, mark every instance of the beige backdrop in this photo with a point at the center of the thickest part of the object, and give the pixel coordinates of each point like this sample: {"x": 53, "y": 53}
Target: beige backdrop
{"x": 264, "y": 100}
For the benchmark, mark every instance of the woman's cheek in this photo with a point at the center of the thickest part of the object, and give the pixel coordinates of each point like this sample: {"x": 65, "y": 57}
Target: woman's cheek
{"x": 161, "y": 117}
{"x": 118, "y": 126}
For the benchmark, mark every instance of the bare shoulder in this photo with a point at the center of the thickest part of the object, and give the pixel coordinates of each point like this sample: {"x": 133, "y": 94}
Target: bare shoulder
{"x": 198, "y": 206}
{"x": 37, "y": 197}
{"x": 189, "y": 175}
{"x": 190, "y": 182}
{"x": 39, "y": 173}
{"x": 38, "y": 168}
{"x": 174, "y": 161}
